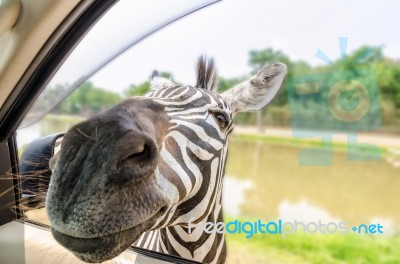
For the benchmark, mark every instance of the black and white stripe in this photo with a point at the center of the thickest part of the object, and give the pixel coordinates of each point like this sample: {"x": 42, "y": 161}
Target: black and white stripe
{"x": 192, "y": 159}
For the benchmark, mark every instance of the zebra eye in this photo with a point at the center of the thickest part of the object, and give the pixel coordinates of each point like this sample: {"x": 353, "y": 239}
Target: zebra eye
{"x": 221, "y": 119}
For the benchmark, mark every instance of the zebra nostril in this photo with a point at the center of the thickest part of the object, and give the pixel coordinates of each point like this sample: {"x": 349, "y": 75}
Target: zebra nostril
{"x": 136, "y": 157}
{"x": 162, "y": 210}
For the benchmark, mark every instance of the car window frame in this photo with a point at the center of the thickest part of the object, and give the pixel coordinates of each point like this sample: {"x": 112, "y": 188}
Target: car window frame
{"x": 48, "y": 61}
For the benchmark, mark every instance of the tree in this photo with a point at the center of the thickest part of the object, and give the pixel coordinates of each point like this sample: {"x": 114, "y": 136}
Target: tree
{"x": 225, "y": 84}
{"x": 142, "y": 88}
{"x": 137, "y": 90}
{"x": 260, "y": 58}
{"x": 361, "y": 56}
{"x": 88, "y": 99}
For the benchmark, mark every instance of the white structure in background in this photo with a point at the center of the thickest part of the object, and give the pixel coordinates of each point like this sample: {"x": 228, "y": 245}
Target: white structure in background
{"x": 233, "y": 195}
{"x": 394, "y": 157}
{"x": 303, "y": 211}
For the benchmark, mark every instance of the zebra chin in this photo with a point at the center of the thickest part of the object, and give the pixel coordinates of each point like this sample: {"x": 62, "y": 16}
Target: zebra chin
{"x": 104, "y": 247}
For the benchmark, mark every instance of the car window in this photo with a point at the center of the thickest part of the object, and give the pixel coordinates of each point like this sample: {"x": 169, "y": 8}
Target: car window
{"x": 313, "y": 178}
{"x": 111, "y": 36}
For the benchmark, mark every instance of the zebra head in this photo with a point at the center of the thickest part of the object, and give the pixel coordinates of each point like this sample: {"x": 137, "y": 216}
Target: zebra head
{"x": 151, "y": 163}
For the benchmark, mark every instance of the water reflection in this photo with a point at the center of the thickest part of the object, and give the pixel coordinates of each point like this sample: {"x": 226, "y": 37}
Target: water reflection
{"x": 303, "y": 211}
{"x": 233, "y": 195}
{"x": 393, "y": 157}
{"x": 353, "y": 191}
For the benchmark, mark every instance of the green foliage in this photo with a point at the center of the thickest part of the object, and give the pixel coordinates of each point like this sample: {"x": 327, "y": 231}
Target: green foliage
{"x": 225, "y": 84}
{"x": 142, "y": 88}
{"x": 48, "y": 99}
{"x": 167, "y": 75}
{"x": 362, "y": 56}
{"x": 87, "y": 100}
{"x": 387, "y": 74}
{"x": 260, "y": 58}
{"x": 138, "y": 90}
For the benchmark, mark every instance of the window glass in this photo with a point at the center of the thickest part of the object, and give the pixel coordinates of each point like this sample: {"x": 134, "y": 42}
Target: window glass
{"x": 116, "y": 32}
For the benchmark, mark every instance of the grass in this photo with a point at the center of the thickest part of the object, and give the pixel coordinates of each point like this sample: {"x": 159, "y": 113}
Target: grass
{"x": 316, "y": 249}
{"x": 287, "y": 141}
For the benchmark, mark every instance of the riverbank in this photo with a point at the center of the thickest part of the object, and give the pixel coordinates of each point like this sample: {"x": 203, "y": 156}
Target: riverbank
{"x": 374, "y": 138}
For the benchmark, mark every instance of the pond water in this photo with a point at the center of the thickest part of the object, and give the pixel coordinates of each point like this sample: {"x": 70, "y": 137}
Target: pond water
{"x": 265, "y": 181}
{"x": 271, "y": 184}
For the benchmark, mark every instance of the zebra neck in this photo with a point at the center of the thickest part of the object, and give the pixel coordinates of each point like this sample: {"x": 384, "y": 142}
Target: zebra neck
{"x": 195, "y": 244}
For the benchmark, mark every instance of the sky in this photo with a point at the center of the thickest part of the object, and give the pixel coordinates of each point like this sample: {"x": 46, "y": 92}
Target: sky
{"x": 226, "y": 31}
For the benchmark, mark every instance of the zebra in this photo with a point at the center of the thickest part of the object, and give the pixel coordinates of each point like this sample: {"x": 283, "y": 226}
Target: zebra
{"x": 141, "y": 171}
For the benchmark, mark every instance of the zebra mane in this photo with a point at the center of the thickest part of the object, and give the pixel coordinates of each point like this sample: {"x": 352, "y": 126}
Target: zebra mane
{"x": 206, "y": 74}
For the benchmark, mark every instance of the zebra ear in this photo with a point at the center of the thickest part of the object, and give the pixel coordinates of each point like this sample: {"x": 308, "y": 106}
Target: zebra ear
{"x": 158, "y": 82}
{"x": 257, "y": 92}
